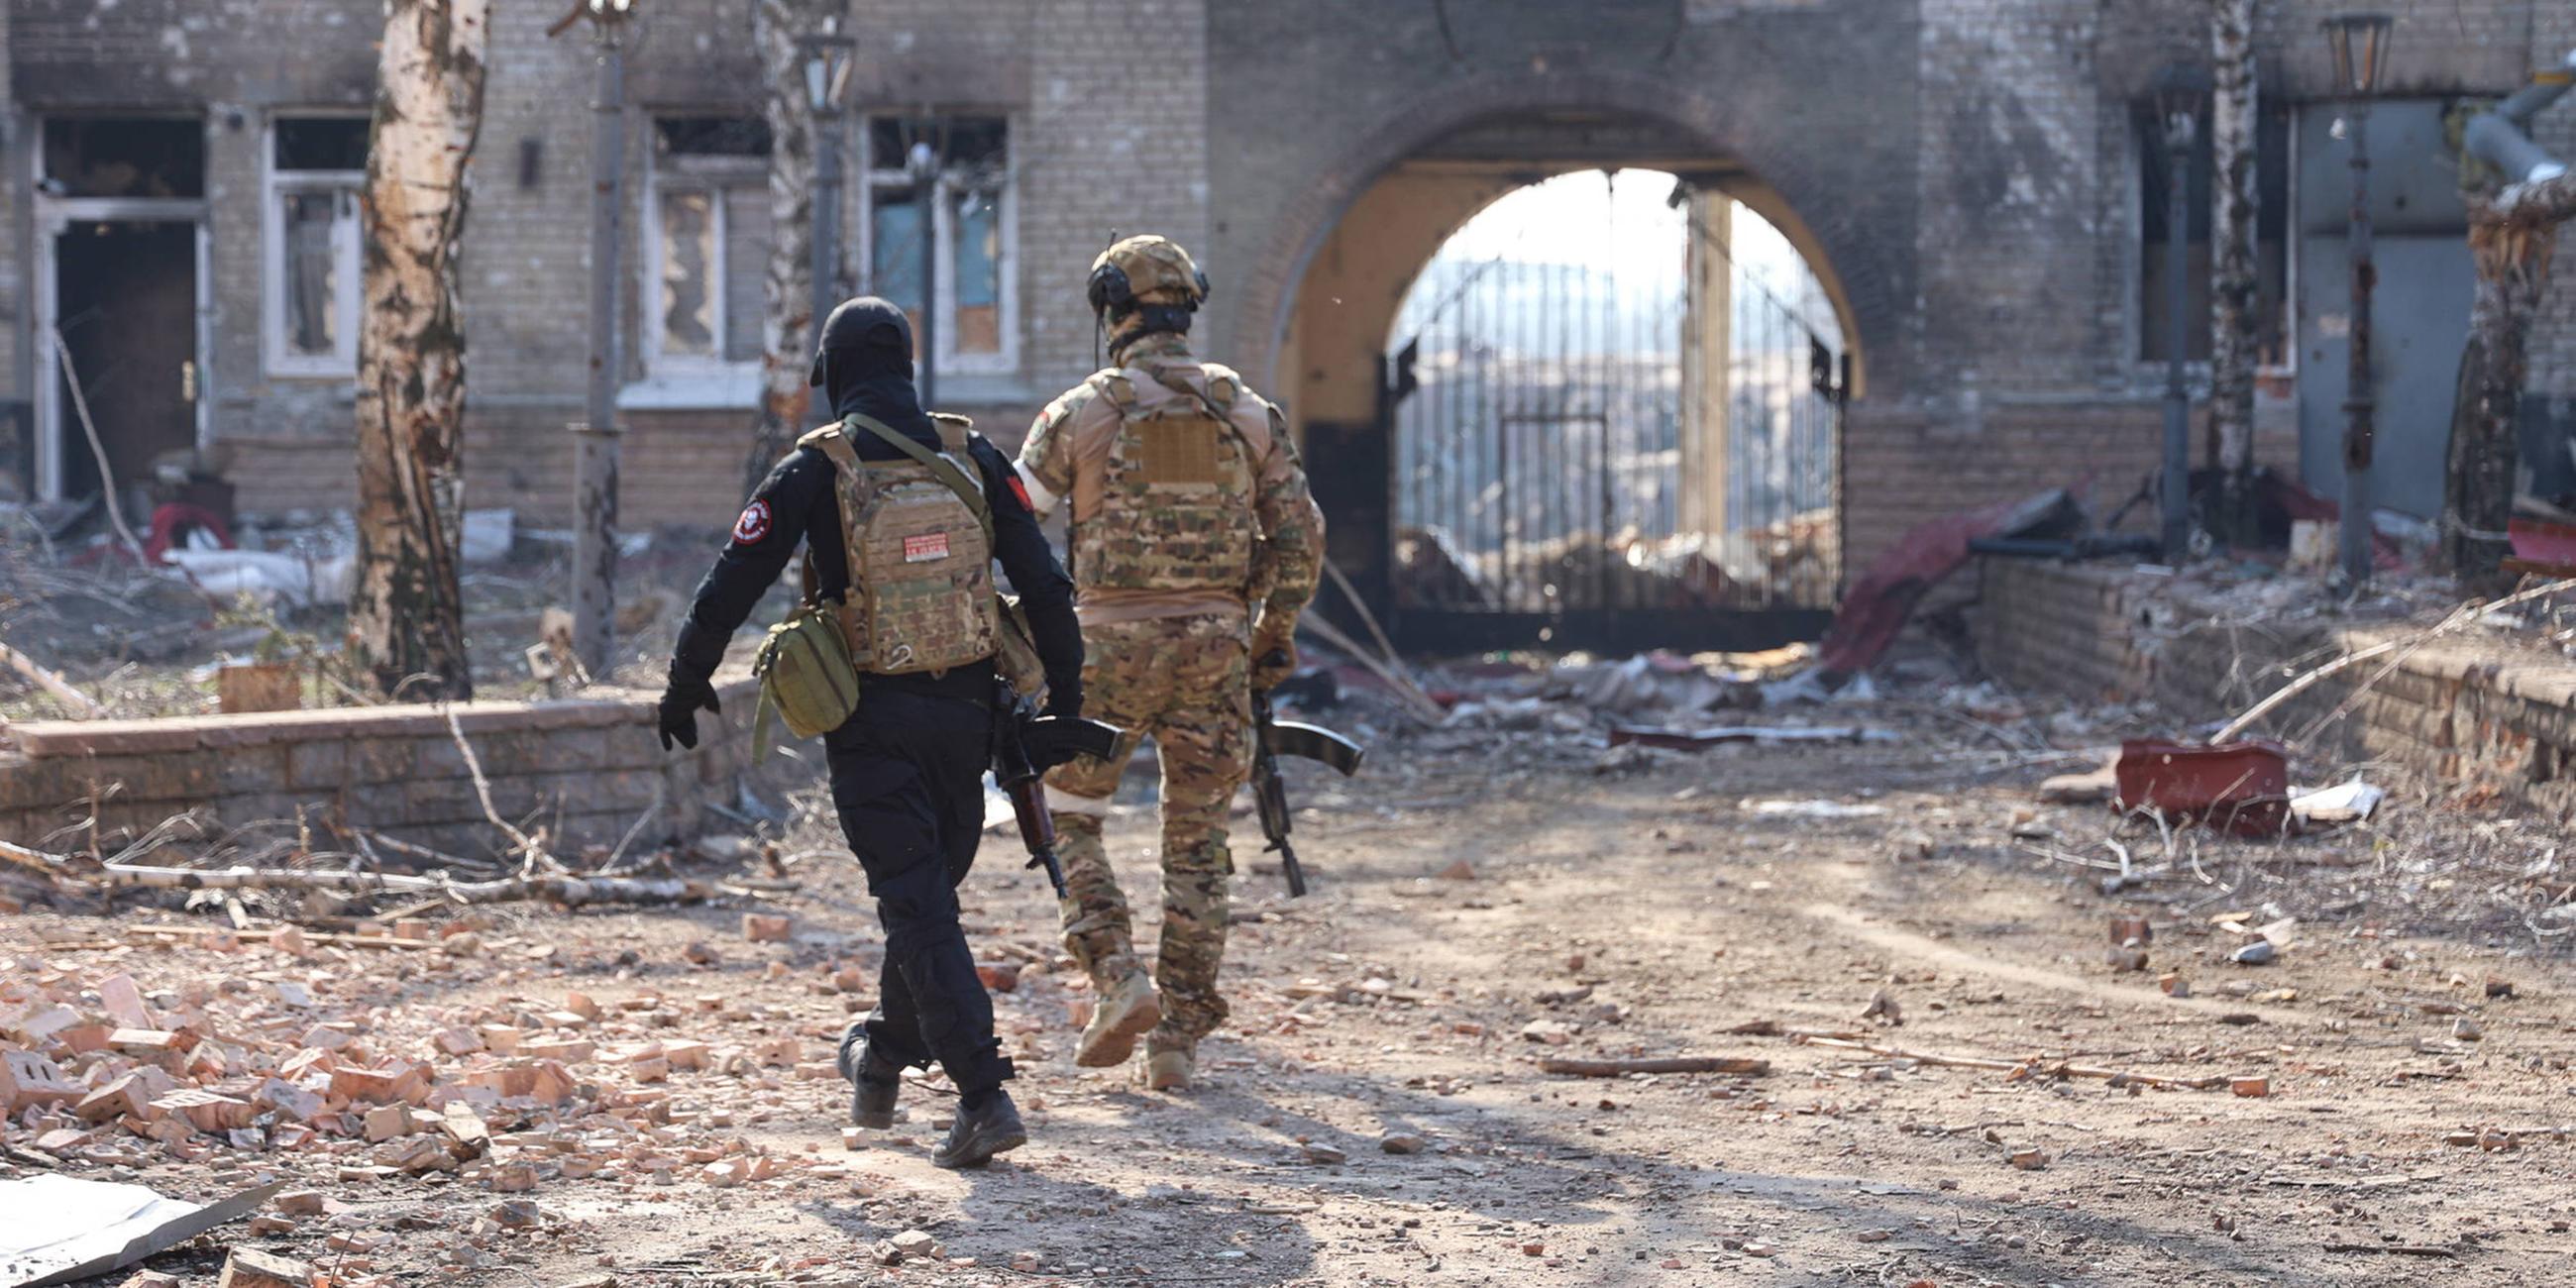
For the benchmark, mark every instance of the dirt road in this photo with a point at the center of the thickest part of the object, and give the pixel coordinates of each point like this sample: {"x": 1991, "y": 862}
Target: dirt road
{"x": 1375, "y": 1115}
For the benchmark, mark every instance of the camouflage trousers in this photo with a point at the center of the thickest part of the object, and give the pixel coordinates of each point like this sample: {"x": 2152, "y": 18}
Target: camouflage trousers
{"x": 1185, "y": 682}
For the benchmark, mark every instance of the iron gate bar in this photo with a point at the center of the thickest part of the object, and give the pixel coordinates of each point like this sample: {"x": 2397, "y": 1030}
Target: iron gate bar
{"x": 1535, "y": 457}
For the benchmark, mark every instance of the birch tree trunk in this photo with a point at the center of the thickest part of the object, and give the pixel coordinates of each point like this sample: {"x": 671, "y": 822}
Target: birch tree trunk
{"x": 2233, "y": 290}
{"x": 787, "y": 329}
{"x": 2543, "y": 205}
{"x": 2512, "y": 255}
{"x": 406, "y": 615}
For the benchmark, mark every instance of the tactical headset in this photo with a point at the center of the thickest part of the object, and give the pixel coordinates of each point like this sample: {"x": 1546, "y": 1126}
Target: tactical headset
{"x": 1113, "y": 292}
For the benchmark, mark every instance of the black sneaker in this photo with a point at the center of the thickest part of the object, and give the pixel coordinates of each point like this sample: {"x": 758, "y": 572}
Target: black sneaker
{"x": 873, "y": 1082}
{"x": 979, "y": 1134}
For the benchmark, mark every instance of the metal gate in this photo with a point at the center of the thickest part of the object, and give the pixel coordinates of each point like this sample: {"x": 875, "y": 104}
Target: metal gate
{"x": 1582, "y": 461}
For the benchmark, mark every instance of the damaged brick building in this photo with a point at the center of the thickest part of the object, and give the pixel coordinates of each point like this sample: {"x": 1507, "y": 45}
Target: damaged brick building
{"x": 1974, "y": 182}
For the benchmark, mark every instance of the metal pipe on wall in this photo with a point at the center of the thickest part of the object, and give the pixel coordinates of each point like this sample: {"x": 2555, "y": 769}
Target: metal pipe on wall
{"x": 595, "y": 440}
{"x": 2176, "y": 486}
{"x": 2360, "y": 402}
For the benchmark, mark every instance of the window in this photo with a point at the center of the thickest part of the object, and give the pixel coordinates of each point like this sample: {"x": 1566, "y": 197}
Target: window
{"x": 706, "y": 243}
{"x": 317, "y": 167}
{"x": 2272, "y": 168}
{"x": 972, "y": 241}
{"x": 143, "y": 157}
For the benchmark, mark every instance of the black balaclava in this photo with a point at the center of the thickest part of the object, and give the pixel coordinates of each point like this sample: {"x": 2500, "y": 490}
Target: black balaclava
{"x": 864, "y": 364}
{"x": 1140, "y": 320}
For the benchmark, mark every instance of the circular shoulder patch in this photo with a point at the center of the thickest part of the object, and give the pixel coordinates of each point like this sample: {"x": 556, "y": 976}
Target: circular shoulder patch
{"x": 753, "y": 525}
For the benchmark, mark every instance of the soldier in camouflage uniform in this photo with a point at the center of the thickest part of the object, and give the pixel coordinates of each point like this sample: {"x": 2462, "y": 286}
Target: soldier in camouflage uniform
{"x": 1194, "y": 547}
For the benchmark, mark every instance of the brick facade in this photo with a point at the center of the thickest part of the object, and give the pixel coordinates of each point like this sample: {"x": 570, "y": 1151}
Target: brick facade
{"x": 589, "y": 770}
{"x": 1966, "y": 170}
{"x": 2460, "y": 712}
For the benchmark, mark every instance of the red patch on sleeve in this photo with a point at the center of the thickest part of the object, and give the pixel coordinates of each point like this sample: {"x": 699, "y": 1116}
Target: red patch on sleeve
{"x": 1021, "y": 490}
{"x": 753, "y": 525}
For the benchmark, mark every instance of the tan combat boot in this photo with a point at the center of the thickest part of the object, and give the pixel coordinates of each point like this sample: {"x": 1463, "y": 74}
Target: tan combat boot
{"x": 1170, "y": 1070}
{"x": 1128, "y": 1009}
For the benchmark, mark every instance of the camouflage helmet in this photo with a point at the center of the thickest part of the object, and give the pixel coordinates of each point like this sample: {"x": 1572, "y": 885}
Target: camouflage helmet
{"x": 1145, "y": 269}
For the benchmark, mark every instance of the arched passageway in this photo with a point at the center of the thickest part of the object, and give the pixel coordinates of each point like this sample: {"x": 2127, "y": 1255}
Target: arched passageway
{"x": 1571, "y": 378}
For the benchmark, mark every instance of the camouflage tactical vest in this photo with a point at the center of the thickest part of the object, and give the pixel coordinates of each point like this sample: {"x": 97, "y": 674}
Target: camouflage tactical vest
{"x": 920, "y": 557}
{"x": 1176, "y": 496}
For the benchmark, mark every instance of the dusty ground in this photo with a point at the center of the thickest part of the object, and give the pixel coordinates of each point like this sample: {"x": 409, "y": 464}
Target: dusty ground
{"x": 1392, "y": 1002}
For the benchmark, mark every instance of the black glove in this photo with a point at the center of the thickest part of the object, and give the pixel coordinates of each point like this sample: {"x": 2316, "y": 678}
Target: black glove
{"x": 1064, "y": 700}
{"x": 1271, "y": 668}
{"x": 678, "y": 710}
{"x": 1051, "y": 740}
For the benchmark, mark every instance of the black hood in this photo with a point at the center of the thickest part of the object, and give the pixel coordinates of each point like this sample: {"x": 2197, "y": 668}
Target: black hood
{"x": 864, "y": 364}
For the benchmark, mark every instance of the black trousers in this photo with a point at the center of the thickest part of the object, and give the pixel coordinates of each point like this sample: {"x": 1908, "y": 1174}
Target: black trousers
{"x": 907, "y": 780}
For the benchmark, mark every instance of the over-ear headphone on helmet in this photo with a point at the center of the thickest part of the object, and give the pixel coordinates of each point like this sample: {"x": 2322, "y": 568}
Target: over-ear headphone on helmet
{"x": 1109, "y": 287}
{"x": 1112, "y": 290}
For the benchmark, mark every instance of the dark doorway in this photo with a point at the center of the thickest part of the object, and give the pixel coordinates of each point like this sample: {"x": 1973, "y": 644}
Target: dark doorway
{"x": 126, "y": 302}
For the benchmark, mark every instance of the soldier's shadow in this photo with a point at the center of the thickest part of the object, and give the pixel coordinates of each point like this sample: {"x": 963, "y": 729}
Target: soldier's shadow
{"x": 1482, "y": 1165}
{"x": 1181, "y": 1227}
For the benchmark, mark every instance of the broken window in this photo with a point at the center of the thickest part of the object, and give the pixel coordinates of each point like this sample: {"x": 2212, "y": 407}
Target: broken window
{"x": 971, "y": 237}
{"x": 138, "y": 157}
{"x": 317, "y": 171}
{"x": 708, "y": 249}
{"x": 2272, "y": 167}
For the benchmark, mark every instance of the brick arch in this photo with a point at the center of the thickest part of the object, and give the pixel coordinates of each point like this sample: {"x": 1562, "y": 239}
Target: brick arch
{"x": 1858, "y": 271}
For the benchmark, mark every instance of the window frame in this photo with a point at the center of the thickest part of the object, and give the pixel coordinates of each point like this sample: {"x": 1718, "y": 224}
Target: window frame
{"x": 694, "y": 172}
{"x": 953, "y": 184}
{"x": 2143, "y": 153}
{"x": 277, "y": 356}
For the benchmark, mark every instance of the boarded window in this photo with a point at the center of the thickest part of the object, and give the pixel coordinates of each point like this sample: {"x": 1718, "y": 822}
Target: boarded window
{"x": 894, "y": 251}
{"x": 311, "y": 263}
{"x": 976, "y": 256}
{"x": 316, "y": 177}
{"x": 688, "y": 273}
{"x": 2271, "y": 236}
{"x": 711, "y": 233}
{"x": 969, "y": 235}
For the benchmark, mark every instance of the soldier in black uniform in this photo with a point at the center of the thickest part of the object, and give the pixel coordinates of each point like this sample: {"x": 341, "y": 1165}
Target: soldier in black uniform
{"x": 907, "y": 767}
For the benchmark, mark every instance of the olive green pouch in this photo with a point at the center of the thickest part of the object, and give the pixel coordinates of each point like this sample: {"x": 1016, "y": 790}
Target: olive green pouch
{"x": 805, "y": 674}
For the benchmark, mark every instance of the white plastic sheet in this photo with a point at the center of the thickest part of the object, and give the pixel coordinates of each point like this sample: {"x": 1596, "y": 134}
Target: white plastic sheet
{"x": 60, "y": 1228}
{"x": 2342, "y": 803}
{"x": 267, "y": 576}
{"x": 1812, "y": 809}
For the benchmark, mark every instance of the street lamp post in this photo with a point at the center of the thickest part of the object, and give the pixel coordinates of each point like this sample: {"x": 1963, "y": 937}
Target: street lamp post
{"x": 2360, "y": 46}
{"x": 923, "y": 164}
{"x": 2180, "y": 91}
{"x": 594, "y": 468}
{"x": 828, "y": 57}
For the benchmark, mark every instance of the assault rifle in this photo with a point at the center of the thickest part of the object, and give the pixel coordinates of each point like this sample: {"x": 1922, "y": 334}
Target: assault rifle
{"x": 1290, "y": 738}
{"x": 1022, "y": 737}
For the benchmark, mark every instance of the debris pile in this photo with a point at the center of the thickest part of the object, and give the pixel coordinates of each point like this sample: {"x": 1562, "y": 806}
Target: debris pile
{"x": 286, "y": 1058}
{"x": 1796, "y": 559}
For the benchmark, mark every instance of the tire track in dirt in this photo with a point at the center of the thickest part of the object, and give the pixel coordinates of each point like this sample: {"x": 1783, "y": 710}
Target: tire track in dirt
{"x": 1923, "y": 949}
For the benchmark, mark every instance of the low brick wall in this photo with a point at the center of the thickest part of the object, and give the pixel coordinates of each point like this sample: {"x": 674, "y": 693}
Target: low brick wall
{"x": 2462, "y": 711}
{"x": 587, "y": 769}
